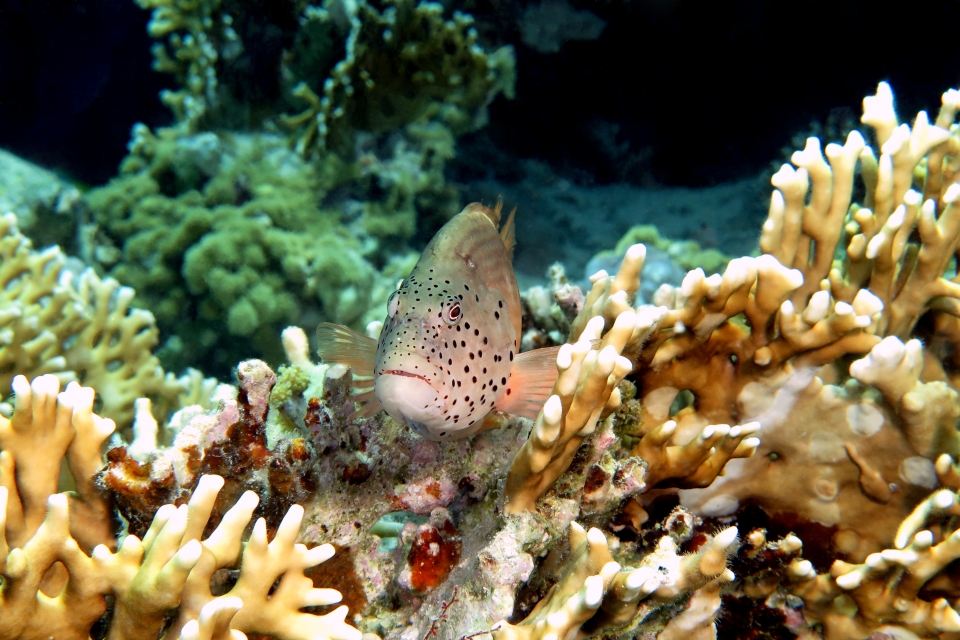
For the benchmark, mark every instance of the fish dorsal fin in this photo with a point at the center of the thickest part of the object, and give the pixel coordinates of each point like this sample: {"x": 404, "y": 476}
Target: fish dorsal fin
{"x": 509, "y": 233}
{"x": 531, "y": 380}
{"x": 341, "y": 345}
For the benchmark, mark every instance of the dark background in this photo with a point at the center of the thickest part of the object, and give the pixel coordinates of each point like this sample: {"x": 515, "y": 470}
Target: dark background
{"x": 672, "y": 93}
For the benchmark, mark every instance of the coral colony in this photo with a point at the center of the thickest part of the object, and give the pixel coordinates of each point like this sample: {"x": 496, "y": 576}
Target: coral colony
{"x": 774, "y": 443}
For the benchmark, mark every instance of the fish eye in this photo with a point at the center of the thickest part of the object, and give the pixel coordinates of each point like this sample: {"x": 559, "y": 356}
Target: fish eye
{"x": 393, "y": 304}
{"x": 452, "y": 314}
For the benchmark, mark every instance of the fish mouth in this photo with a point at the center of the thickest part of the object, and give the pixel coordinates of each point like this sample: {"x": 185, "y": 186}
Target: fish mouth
{"x": 407, "y": 374}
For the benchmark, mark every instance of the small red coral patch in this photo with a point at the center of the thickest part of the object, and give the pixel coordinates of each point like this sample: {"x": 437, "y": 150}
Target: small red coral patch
{"x": 435, "y": 552}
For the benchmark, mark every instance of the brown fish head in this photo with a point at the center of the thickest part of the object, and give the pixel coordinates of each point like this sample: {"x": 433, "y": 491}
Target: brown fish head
{"x": 449, "y": 338}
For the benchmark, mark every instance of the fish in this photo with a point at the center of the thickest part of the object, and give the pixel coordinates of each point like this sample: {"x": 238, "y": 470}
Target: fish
{"x": 447, "y": 362}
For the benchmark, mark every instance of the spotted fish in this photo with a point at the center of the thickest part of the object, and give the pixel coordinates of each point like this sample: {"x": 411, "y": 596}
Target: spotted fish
{"x": 448, "y": 361}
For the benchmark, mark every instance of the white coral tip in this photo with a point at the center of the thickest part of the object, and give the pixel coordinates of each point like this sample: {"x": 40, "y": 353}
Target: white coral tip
{"x": 596, "y": 537}
{"x": 726, "y": 537}
{"x": 593, "y": 591}
{"x": 866, "y": 303}
{"x": 791, "y": 544}
{"x": 598, "y": 276}
{"x": 324, "y": 552}
{"x": 188, "y": 555}
{"x": 943, "y": 499}
{"x": 553, "y": 410}
{"x": 849, "y": 581}
{"x": 636, "y": 253}
{"x": 691, "y": 282}
{"x": 952, "y": 193}
{"x": 923, "y": 540}
{"x": 565, "y": 357}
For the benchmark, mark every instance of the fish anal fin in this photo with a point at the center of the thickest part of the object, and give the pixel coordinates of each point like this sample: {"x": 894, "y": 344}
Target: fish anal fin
{"x": 531, "y": 381}
{"x": 338, "y": 344}
{"x": 509, "y": 232}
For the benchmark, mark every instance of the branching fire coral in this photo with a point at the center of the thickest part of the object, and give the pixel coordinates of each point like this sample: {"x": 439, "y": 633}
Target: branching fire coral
{"x": 59, "y": 559}
{"x": 78, "y": 327}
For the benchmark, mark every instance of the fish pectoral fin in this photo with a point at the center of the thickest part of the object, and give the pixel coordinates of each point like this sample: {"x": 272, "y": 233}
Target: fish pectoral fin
{"x": 531, "y": 381}
{"x": 494, "y": 420}
{"x": 368, "y": 410}
{"x": 338, "y": 344}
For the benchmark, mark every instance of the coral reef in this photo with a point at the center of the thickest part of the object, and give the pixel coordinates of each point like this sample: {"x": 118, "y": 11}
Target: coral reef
{"x": 59, "y": 558}
{"x": 228, "y": 236}
{"x": 433, "y": 500}
{"x": 403, "y": 62}
{"x": 767, "y": 441}
{"x": 197, "y": 35}
{"x": 81, "y": 327}
{"x": 869, "y": 439}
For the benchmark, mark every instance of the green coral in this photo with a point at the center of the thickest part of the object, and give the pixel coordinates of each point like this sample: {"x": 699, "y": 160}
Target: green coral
{"x": 686, "y": 253}
{"x": 403, "y": 63}
{"x": 291, "y": 380}
{"x": 226, "y": 239}
{"x": 194, "y": 35}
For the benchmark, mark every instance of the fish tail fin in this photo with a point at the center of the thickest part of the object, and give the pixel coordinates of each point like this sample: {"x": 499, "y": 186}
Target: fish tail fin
{"x": 509, "y": 232}
{"x": 338, "y": 344}
{"x": 531, "y": 381}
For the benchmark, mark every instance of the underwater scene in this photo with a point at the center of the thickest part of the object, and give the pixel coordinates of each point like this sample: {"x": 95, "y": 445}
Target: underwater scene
{"x": 479, "y": 319}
